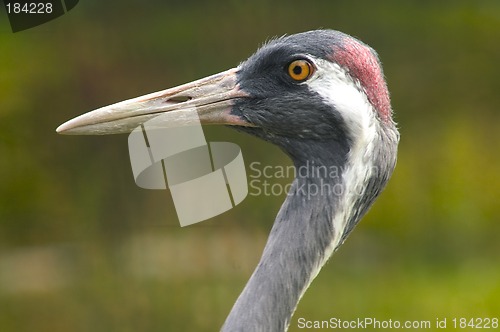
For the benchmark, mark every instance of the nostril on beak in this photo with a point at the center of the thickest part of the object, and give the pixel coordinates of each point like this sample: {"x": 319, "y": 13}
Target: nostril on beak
{"x": 179, "y": 99}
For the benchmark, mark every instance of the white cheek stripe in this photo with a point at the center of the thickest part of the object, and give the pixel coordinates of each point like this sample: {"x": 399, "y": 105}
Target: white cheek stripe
{"x": 338, "y": 89}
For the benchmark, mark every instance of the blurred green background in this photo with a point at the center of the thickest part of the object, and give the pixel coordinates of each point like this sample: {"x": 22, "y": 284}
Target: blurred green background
{"x": 82, "y": 248}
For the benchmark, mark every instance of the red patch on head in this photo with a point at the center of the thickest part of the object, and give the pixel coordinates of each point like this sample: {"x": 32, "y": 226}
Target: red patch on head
{"x": 362, "y": 64}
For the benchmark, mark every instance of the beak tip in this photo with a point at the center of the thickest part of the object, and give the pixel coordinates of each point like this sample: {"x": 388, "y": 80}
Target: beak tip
{"x": 64, "y": 128}
{"x": 60, "y": 129}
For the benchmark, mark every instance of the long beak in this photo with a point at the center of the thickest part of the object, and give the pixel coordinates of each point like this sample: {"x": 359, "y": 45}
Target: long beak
{"x": 212, "y": 97}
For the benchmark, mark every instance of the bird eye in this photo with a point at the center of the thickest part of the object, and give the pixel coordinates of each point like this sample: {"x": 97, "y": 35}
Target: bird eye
{"x": 300, "y": 70}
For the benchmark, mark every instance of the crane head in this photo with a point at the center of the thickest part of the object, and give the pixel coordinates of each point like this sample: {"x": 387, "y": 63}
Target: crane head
{"x": 318, "y": 85}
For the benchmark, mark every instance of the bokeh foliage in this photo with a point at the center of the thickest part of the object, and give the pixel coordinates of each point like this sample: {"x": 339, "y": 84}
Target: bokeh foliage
{"x": 102, "y": 255}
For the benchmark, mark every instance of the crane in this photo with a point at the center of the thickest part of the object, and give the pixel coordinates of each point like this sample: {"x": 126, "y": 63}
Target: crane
{"x": 322, "y": 98}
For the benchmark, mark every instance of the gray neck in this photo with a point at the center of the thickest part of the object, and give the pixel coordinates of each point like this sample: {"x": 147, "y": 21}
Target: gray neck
{"x": 294, "y": 253}
{"x": 308, "y": 229}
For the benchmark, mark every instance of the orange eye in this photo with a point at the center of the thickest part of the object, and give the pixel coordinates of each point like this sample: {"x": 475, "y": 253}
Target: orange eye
{"x": 300, "y": 70}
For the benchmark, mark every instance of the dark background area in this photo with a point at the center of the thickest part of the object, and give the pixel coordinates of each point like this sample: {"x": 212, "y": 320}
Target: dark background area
{"x": 82, "y": 248}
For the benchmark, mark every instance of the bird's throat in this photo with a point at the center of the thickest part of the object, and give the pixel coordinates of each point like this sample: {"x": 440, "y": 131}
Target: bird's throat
{"x": 300, "y": 242}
